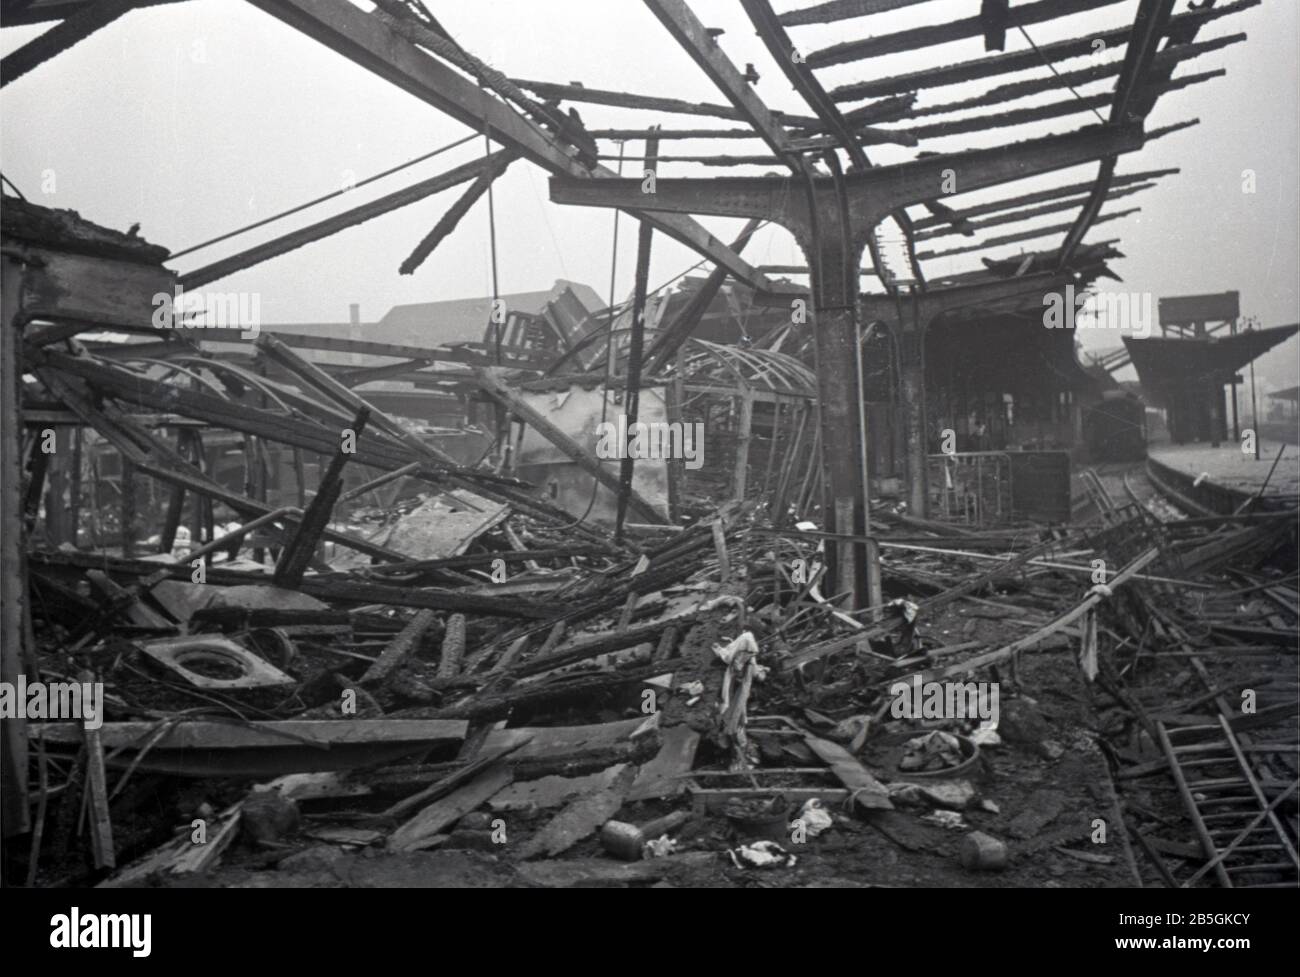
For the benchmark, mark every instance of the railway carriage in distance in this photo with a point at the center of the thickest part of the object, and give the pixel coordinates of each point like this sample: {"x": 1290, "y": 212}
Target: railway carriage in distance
{"x": 1114, "y": 428}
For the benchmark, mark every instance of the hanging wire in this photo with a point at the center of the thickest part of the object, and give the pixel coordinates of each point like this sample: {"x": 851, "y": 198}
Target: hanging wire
{"x": 329, "y": 196}
{"x": 604, "y": 396}
{"x": 492, "y": 239}
{"x": 1049, "y": 64}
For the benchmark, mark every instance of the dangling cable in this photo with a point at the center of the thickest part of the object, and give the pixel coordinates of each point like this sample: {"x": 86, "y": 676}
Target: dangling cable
{"x": 604, "y": 396}
{"x": 492, "y": 239}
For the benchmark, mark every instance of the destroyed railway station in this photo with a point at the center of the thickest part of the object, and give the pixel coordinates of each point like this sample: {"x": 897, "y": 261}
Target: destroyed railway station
{"x": 848, "y": 556}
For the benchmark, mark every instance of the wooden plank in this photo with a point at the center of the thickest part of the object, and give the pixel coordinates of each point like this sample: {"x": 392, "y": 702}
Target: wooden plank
{"x": 869, "y": 793}
{"x": 326, "y": 589}
{"x": 100, "y": 290}
{"x": 182, "y": 855}
{"x": 547, "y": 792}
{"x": 101, "y": 824}
{"x": 1028, "y": 213}
{"x": 422, "y": 830}
{"x": 581, "y": 817}
{"x": 666, "y": 774}
{"x": 205, "y": 735}
{"x": 569, "y": 741}
{"x": 441, "y": 788}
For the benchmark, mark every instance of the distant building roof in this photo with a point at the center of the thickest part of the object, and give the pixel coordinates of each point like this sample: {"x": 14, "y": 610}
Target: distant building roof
{"x": 466, "y": 320}
{"x": 429, "y": 324}
{"x": 1165, "y": 364}
{"x": 1290, "y": 393}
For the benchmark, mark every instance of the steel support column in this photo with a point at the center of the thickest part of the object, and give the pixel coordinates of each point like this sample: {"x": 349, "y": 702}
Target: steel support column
{"x": 835, "y": 300}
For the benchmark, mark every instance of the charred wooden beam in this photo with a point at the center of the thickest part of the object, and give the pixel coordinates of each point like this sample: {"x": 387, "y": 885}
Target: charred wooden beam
{"x": 1082, "y": 76}
{"x": 1149, "y": 26}
{"x": 298, "y": 553}
{"x": 325, "y": 588}
{"x": 332, "y": 225}
{"x": 453, "y": 647}
{"x": 801, "y": 76}
{"x": 782, "y": 49}
{"x": 574, "y": 92}
{"x": 1028, "y": 213}
{"x": 22, "y": 13}
{"x": 866, "y": 137}
{"x": 79, "y": 25}
{"x": 449, "y": 221}
{"x": 1028, "y": 235}
{"x": 318, "y": 379}
{"x": 400, "y": 648}
{"x": 920, "y": 37}
{"x": 1008, "y": 203}
{"x": 826, "y": 13}
{"x": 703, "y": 48}
{"x": 1038, "y": 113}
{"x": 1019, "y": 60}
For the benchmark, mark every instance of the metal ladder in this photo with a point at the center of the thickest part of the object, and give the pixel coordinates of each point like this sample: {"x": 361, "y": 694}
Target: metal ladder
{"x": 1237, "y": 824}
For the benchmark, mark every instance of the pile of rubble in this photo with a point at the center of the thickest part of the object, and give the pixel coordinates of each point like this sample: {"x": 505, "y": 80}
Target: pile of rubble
{"x": 492, "y": 695}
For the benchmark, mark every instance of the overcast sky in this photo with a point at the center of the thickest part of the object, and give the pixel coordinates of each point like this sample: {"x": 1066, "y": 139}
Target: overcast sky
{"x": 200, "y": 117}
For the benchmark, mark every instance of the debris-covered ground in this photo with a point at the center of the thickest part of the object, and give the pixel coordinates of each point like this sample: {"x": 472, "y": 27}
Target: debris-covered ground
{"x": 405, "y": 724}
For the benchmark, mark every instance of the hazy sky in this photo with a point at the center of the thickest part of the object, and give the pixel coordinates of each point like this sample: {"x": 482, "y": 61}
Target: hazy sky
{"x": 196, "y": 118}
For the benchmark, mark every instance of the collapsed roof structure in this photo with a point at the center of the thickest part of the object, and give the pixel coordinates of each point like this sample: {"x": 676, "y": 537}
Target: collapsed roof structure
{"x": 486, "y": 601}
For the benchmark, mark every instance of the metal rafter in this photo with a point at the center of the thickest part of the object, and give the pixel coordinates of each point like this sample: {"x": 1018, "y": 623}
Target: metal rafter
{"x": 783, "y": 52}
{"x": 365, "y": 40}
{"x": 696, "y": 41}
{"x": 1149, "y": 26}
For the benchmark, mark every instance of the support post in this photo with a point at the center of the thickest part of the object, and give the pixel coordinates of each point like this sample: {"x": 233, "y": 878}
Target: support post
{"x": 13, "y": 588}
{"x": 632, "y": 396}
{"x": 911, "y": 354}
{"x": 835, "y": 298}
{"x": 744, "y": 433}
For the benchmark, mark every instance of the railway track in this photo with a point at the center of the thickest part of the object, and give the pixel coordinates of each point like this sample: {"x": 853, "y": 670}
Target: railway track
{"x": 1235, "y": 778}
